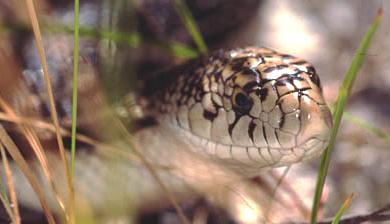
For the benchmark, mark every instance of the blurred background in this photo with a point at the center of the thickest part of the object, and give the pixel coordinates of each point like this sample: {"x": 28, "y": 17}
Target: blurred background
{"x": 128, "y": 41}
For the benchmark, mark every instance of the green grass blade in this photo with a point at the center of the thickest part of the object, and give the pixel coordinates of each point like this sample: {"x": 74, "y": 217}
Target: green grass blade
{"x": 366, "y": 125}
{"x": 133, "y": 39}
{"x": 378, "y": 132}
{"x": 338, "y": 113}
{"x": 181, "y": 50}
{"x": 190, "y": 24}
{"x": 342, "y": 209}
{"x": 75, "y": 85}
{"x": 74, "y": 107}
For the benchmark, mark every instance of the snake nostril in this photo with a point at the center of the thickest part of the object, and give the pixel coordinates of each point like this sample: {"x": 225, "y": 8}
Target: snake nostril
{"x": 316, "y": 122}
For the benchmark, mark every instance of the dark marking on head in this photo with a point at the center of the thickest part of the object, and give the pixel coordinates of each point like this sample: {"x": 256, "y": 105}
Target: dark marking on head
{"x": 276, "y": 91}
{"x": 277, "y": 136}
{"x": 296, "y": 77}
{"x": 250, "y": 71}
{"x": 311, "y": 69}
{"x": 301, "y": 62}
{"x": 243, "y": 103}
{"x": 303, "y": 89}
{"x": 315, "y": 79}
{"x": 231, "y": 126}
{"x": 218, "y": 74}
{"x": 313, "y": 76}
{"x": 251, "y": 130}
{"x": 250, "y": 85}
{"x": 282, "y": 82}
{"x": 281, "y": 66}
{"x": 264, "y": 134}
{"x": 238, "y": 64}
{"x": 263, "y": 93}
{"x": 269, "y": 69}
{"x": 282, "y": 119}
{"x": 265, "y": 81}
{"x": 286, "y": 56}
{"x": 291, "y": 76}
{"x": 212, "y": 72}
{"x": 209, "y": 115}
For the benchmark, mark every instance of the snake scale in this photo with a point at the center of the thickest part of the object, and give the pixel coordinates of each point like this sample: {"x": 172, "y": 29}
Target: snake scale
{"x": 219, "y": 119}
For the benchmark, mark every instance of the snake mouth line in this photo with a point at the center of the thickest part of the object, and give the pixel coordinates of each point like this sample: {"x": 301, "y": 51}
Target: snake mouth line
{"x": 253, "y": 156}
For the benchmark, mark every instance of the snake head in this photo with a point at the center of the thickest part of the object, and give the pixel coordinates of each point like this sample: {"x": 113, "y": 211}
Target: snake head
{"x": 254, "y": 106}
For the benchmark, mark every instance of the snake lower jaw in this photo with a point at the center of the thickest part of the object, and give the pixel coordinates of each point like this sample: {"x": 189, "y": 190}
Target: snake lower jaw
{"x": 252, "y": 159}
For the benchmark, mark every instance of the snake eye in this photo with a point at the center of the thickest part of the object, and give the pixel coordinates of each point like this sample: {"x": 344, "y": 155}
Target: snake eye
{"x": 243, "y": 102}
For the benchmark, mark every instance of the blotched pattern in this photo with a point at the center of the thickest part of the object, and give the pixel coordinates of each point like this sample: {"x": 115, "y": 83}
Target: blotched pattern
{"x": 250, "y": 105}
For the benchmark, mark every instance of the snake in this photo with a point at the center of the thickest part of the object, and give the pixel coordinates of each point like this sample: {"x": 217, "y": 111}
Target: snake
{"x": 217, "y": 119}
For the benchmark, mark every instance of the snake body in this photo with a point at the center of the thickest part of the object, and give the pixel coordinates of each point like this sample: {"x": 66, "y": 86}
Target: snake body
{"x": 219, "y": 118}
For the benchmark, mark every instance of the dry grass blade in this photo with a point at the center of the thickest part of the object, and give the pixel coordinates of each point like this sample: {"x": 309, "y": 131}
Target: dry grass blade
{"x": 10, "y": 85}
{"x": 341, "y": 211}
{"x": 34, "y": 21}
{"x": 7, "y": 207}
{"x": 273, "y": 194}
{"x": 14, "y": 214}
{"x": 80, "y": 137}
{"x": 151, "y": 170}
{"x": 11, "y": 186}
{"x": 35, "y": 144}
{"x": 21, "y": 162}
